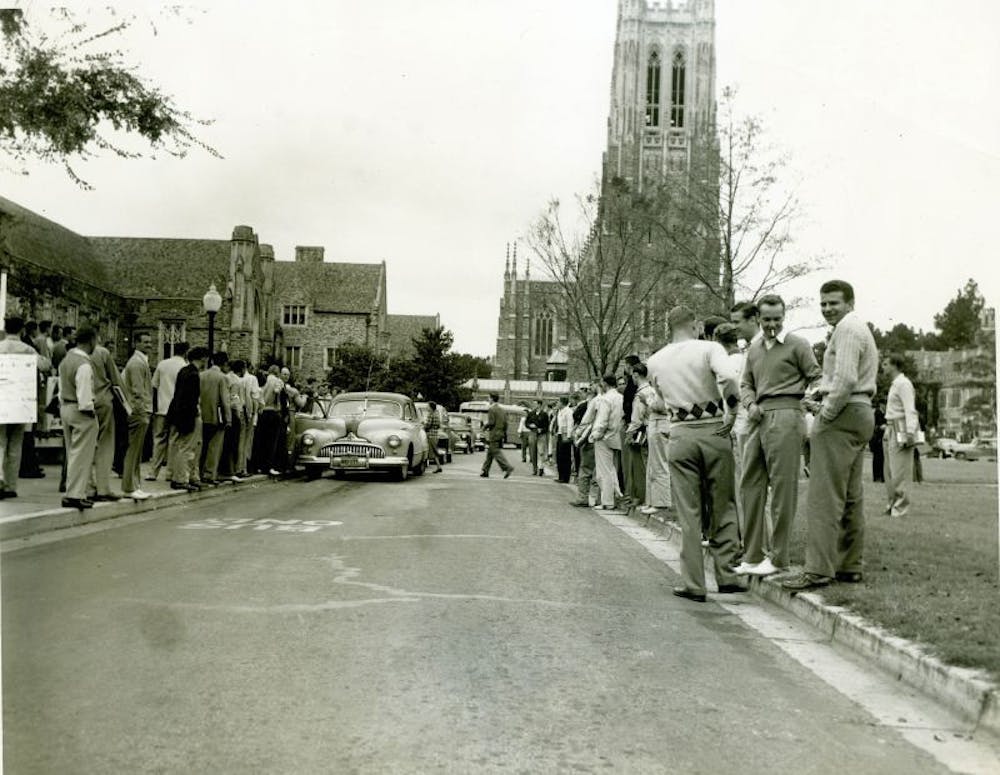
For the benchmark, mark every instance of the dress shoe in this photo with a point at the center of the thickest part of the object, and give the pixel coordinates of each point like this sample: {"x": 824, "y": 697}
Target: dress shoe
{"x": 744, "y": 568}
{"x": 178, "y": 486}
{"x": 581, "y": 503}
{"x": 7, "y": 494}
{"x": 77, "y": 503}
{"x": 507, "y": 473}
{"x": 484, "y": 476}
{"x": 765, "y": 568}
{"x": 729, "y": 589}
{"x": 37, "y": 474}
{"x": 274, "y": 472}
{"x": 109, "y": 498}
{"x": 805, "y": 581}
{"x": 689, "y": 595}
{"x": 137, "y": 495}
{"x": 849, "y": 577}
{"x": 438, "y": 470}
{"x": 151, "y": 478}
{"x": 648, "y": 510}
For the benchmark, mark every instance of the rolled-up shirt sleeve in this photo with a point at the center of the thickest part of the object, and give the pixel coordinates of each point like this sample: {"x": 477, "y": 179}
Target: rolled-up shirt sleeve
{"x": 84, "y": 379}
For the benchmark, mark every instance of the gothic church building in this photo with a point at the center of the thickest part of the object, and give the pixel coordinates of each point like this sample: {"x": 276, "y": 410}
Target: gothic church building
{"x": 662, "y": 111}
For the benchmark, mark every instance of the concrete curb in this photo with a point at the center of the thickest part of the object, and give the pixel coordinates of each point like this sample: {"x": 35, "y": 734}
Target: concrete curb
{"x": 970, "y": 693}
{"x": 27, "y": 525}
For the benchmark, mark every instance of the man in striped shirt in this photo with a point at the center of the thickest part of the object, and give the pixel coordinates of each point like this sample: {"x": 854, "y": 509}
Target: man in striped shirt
{"x": 700, "y": 392}
{"x": 844, "y": 423}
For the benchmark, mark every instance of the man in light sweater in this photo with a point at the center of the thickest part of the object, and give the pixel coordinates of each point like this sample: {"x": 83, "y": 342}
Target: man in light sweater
{"x": 844, "y": 423}
{"x": 900, "y": 438}
{"x": 699, "y": 390}
{"x": 164, "y": 383}
{"x": 606, "y": 438}
{"x": 136, "y": 383}
{"x": 780, "y": 369}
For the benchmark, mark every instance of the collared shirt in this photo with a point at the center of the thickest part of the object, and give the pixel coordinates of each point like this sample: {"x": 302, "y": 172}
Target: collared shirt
{"x": 608, "y": 420}
{"x": 165, "y": 381}
{"x": 901, "y": 405}
{"x": 778, "y": 337}
{"x": 271, "y": 393}
{"x": 251, "y": 394}
{"x": 137, "y": 384}
{"x": 850, "y": 365}
{"x": 644, "y": 395}
{"x": 83, "y": 378}
{"x": 564, "y": 422}
{"x": 105, "y": 374}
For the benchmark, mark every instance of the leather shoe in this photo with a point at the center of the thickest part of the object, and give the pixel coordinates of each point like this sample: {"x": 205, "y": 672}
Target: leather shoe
{"x": 77, "y": 503}
{"x": 109, "y": 498}
{"x": 805, "y": 581}
{"x": 689, "y": 595}
{"x": 507, "y": 473}
{"x": 728, "y": 589}
{"x": 484, "y": 476}
{"x": 581, "y": 503}
{"x": 849, "y": 577}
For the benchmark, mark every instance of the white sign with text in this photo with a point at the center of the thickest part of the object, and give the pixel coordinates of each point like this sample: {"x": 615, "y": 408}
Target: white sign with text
{"x": 18, "y": 388}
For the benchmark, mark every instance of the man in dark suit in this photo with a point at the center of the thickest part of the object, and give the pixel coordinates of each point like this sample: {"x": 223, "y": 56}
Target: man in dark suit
{"x": 184, "y": 418}
{"x": 496, "y": 432}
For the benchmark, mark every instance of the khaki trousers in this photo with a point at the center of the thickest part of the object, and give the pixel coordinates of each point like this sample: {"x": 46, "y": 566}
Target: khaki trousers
{"x": 105, "y": 454}
{"x": 185, "y": 453}
{"x": 634, "y": 461}
{"x": 11, "y": 438}
{"x": 607, "y": 474}
{"x": 836, "y": 496}
{"x": 701, "y": 477}
{"x": 246, "y": 445}
{"x": 772, "y": 456}
{"x": 80, "y": 439}
{"x": 898, "y": 471}
{"x": 131, "y": 475}
{"x": 658, "y": 490}
{"x": 213, "y": 436}
{"x": 585, "y": 478}
{"x": 161, "y": 444}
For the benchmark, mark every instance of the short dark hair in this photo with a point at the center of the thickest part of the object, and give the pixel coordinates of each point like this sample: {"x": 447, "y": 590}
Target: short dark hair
{"x": 13, "y": 325}
{"x": 746, "y": 308}
{"x": 632, "y": 360}
{"x": 711, "y": 323}
{"x": 30, "y": 326}
{"x": 679, "y": 316}
{"x": 239, "y": 365}
{"x": 564, "y": 400}
{"x": 640, "y": 369}
{"x": 898, "y": 360}
{"x": 56, "y": 331}
{"x": 45, "y": 326}
{"x": 197, "y": 353}
{"x": 67, "y": 330}
{"x": 610, "y": 380}
{"x": 432, "y": 405}
{"x": 495, "y": 397}
{"x": 772, "y": 299}
{"x": 85, "y": 334}
{"x": 219, "y": 358}
{"x": 181, "y": 348}
{"x": 841, "y": 286}
{"x": 727, "y": 333}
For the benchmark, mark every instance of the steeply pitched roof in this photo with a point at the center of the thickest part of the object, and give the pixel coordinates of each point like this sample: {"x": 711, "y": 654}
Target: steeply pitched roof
{"x": 328, "y": 287}
{"x": 37, "y": 240}
{"x": 403, "y": 329}
{"x": 150, "y": 268}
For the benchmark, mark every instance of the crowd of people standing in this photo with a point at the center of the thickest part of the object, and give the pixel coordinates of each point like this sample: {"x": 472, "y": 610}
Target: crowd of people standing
{"x": 203, "y": 418}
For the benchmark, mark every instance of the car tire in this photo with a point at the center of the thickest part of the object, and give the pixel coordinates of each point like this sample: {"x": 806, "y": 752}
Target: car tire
{"x": 959, "y": 456}
{"x": 420, "y": 468}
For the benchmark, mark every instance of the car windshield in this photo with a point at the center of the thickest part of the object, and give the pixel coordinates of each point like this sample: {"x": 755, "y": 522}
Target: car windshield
{"x": 459, "y": 422}
{"x": 367, "y": 407}
{"x": 319, "y": 408}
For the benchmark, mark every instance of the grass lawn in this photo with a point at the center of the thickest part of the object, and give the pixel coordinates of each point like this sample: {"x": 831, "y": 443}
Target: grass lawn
{"x": 931, "y": 576}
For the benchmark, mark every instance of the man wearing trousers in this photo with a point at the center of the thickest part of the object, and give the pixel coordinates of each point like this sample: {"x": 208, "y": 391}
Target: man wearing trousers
{"x": 496, "y": 432}
{"x": 900, "y": 437}
{"x": 606, "y": 437}
{"x": 636, "y": 433}
{"x": 138, "y": 387}
{"x": 216, "y": 416}
{"x": 780, "y": 369}
{"x": 184, "y": 418}
{"x": 583, "y": 420}
{"x": 106, "y": 375}
{"x": 844, "y": 423}
{"x": 700, "y": 391}
{"x": 564, "y": 440}
{"x": 79, "y": 420}
{"x": 537, "y": 423}
{"x": 164, "y": 380}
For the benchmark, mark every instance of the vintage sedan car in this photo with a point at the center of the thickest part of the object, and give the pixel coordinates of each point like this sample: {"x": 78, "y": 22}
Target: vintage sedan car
{"x": 446, "y": 439}
{"x": 363, "y": 432}
{"x": 977, "y": 449}
{"x": 464, "y": 433}
{"x": 478, "y": 434}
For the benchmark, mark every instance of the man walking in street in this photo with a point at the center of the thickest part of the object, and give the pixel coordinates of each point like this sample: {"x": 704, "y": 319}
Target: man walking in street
{"x": 79, "y": 421}
{"x": 700, "y": 391}
{"x": 12, "y": 434}
{"x": 606, "y": 437}
{"x": 779, "y": 371}
{"x": 900, "y": 437}
{"x": 216, "y": 417}
{"x": 164, "y": 380}
{"x": 432, "y": 427}
{"x": 496, "y": 432}
{"x": 184, "y": 420}
{"x": 138, "y": 387}
{"x": 844, "y": 423}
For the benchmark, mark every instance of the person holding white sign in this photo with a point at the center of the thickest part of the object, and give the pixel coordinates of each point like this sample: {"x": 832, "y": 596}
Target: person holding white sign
{"x": 21, "y": 408}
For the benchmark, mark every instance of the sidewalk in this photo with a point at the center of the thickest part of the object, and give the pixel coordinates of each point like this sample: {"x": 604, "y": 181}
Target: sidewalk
{"x": 37, "y": 507}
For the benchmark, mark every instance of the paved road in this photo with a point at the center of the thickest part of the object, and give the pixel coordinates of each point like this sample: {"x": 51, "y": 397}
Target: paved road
{"x": 444, "y": 624}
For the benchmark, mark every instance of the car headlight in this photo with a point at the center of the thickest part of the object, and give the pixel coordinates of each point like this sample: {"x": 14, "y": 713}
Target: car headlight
{"x": 308, "y": 441}
{"x": 393, "y": 441}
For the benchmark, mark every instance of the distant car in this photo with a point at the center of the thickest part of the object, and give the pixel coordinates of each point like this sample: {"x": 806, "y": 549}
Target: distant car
{"x": 445, "y": 440}
{"x": 976, "y": 449}
{"x": 465, "y": 434}
{"x": 943, "y": 447}
{"x": 362, "y": 432}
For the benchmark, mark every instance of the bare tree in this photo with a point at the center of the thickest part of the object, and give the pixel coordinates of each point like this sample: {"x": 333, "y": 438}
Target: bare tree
{"x": 728, "y": 225}
{"x": 602, "y": 270}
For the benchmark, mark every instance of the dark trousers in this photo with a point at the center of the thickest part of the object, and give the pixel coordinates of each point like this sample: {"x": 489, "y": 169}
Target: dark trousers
{"x": 564, "y": 458}
{"x": 494, "y": 451}
{"x": 29, "y": 460}
{"x": 269, "y": 434}
{"x": 576, "y": 459}
{"x": 878, "y": 458}
{"x": 230, "y": 448}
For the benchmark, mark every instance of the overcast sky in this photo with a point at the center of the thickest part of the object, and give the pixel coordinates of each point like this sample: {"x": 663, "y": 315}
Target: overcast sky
{"x": 429, "y": 133}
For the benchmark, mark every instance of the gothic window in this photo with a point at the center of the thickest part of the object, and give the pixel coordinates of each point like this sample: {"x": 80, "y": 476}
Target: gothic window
{"x": 293, "y": 357}
{"x": 330, "y": 358}
{"x": 653, "y": 91}
{"x": 171, "y": 332}
{"x": 293, "y": 315}
{"x": 543, "y": 334}
{"x": 677, "y": 78}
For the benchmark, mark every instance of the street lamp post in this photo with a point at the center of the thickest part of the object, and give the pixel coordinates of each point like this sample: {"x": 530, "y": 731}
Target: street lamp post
{"x": 212, "y": 302}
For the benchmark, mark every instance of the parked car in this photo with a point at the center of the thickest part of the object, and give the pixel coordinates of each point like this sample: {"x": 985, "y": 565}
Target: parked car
{"x": 478, "y": 434}
{"x": 943, "y": 447}
{"x": 445, "y": 441}
{"x": 362, "y": 432}
{"x": 464, "y": 434}
{"x": 976, "y": 449}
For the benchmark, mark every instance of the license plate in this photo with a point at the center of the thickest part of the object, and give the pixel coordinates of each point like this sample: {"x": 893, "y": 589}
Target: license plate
{"x": 352, "y": 462}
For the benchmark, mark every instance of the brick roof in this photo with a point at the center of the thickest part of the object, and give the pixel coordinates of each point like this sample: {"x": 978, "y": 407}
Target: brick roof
{"x": 328, "y": 287}
{"x": 35, "y": 239}
{"x": 151, "y": 268}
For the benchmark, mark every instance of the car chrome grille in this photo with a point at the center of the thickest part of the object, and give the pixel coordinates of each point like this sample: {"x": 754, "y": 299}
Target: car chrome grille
{"x": 342, "y": 448}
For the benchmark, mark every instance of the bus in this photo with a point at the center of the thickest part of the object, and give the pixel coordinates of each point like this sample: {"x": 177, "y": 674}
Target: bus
{"x": 514, "y": 414}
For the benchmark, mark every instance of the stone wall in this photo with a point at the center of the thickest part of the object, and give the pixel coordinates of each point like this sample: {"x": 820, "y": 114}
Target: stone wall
{"x": 322, "y": 331}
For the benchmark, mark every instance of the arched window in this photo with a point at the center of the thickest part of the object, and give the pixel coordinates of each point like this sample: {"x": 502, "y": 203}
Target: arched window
{"x": 543, "y": 334}
{"x": 653, "y": 90}
{"x": 677, "y": 91}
